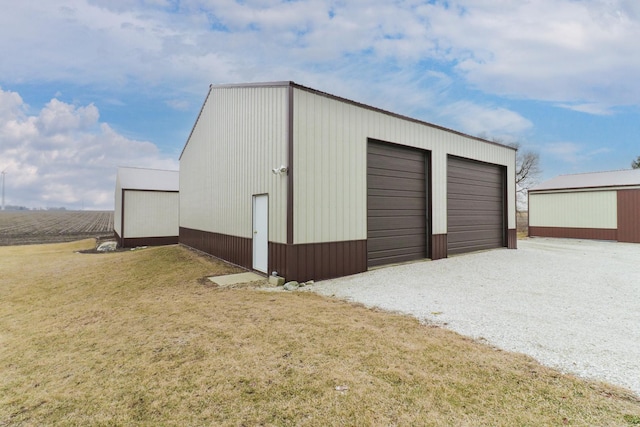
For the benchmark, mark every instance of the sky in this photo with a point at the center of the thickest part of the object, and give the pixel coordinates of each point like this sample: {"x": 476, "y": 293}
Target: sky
{"x": 90, "y": 85}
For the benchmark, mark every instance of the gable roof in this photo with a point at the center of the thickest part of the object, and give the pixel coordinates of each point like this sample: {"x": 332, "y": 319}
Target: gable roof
{"x": 148, "y": 179}
{"x": 619, "y": 178}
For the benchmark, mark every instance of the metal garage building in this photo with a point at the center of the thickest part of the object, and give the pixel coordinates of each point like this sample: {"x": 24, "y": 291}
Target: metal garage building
{"x": 146, "y": 207}
{"x": 282, "y": 177}
{"x": 601, "y": 205}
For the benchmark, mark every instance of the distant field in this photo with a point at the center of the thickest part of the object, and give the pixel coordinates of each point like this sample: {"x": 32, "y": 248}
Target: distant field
{"x": 31, "y": 227}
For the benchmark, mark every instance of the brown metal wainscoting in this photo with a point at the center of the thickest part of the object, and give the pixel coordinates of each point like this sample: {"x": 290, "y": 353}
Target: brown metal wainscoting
{"x": 475, "y": 206}
{"x": 438, "y": 246}
{"x": 629, "y": 216}
{"x": 396, "y": 204}
{"x": 314, "y": 261}
{"x": 318, "y": 261}
{"x": 574, "y": 233}
{"x": 237, "y": 250}
{"x": 512, "y": 238}
{"x": 132, "y": 242}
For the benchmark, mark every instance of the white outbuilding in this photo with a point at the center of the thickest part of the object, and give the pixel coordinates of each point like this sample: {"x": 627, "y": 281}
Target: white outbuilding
{"x": 600, "y": 205}
{"x": 281, "y": 177}
{"x": 146, "y": 207}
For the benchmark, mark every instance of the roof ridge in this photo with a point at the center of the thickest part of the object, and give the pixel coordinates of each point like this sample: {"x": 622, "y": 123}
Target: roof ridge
{"x": 591, "y": 173}
{"x": 147, "y": 169}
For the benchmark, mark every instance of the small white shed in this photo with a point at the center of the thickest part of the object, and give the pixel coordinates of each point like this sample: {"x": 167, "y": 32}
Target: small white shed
{"x": 147, "y": 207}
{"x": 600, "y": 205}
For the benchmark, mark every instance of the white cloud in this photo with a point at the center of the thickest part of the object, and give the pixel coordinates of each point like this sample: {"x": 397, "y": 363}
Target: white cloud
{"x": 64, "y": 156}
{"x": 565, "y": 51}
{"x": 412, "y": 57}
{"x": 492, "y": 122}
{"x": 557, "y": 50}
{"x": 59, "y": 118}
{"x": 178, "y": 104}
{"x": 590, "y": 108}
{"x": 11, "y": 105}
{"x": 573, "y": 153}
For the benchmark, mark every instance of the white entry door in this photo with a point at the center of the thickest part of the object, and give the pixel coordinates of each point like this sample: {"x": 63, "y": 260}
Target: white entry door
{"x": 260, "y": 232}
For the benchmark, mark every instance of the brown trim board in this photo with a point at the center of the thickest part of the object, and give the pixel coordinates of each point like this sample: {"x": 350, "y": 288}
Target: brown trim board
{"x": 574, "y": 233}
{"x": 145, "y": 190}
{"x": 132, "y": 242}
{"x": 121, "y": 241}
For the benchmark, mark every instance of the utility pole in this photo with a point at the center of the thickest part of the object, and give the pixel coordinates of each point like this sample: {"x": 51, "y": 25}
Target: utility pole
{"x": 4, "y": 172}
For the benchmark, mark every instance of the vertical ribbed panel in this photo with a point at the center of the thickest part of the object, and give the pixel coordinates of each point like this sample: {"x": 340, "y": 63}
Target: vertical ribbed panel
{"x": 438, "y": 246}
{"x": 629, "y": 216}
{"x": 584, "y": 209}
{"x": 237, "y": 250}
{"x": 512, "y": 239}
{"x": 150, "y": 214}
{"x": 330, "y": 155}
{"x": 318, "y": 261}
{"x": 238, "y": 139}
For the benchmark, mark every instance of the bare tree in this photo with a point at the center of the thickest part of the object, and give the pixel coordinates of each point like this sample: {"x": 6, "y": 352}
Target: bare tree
{"x": 527, "y": 168}
{"x": 636, "y": 163}
{"x": 527, "y": 171}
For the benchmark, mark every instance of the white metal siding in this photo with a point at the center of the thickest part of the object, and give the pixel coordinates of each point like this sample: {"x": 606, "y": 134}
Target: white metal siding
{"x": 239, "y": 138}
{"x": 587, "y": 209}
{"x": 150, "y": 214}
{"x": 330, "y": 154}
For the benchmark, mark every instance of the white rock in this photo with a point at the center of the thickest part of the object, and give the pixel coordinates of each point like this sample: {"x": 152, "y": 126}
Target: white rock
{"x": 291, "y": 286}
{"x": 107, "y": 247}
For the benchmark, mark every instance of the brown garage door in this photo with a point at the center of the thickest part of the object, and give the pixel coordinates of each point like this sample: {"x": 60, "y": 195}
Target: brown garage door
{"x": 396, "y": 204}
{"x": 475, "y": 206}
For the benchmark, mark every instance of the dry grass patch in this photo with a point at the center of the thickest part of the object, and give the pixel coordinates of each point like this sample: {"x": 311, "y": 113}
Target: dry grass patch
{"x": 138, "y": 338}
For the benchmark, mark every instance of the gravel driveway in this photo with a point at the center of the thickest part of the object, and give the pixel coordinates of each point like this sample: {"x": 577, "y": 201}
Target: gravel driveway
{"x": 571, "y": 304}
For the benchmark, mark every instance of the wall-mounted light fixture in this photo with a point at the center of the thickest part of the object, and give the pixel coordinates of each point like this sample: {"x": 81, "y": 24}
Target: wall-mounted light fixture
{"x": 282, "y": 170}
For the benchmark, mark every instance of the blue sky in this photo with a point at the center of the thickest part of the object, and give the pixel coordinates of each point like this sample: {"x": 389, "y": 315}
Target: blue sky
{"x": 89, "y": 85}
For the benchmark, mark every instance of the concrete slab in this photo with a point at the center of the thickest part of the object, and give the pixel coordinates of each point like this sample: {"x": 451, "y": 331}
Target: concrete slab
{"x": 233, "y": 279}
